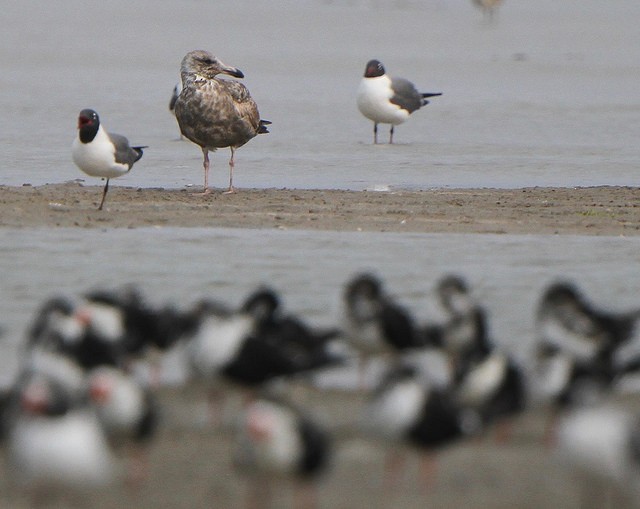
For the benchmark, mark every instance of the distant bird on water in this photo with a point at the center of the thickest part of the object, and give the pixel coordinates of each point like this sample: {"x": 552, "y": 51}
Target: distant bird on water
{"x": 101, "y": 154}
{"x": 215, "y": 113}
{"x": 488, "y": 7}
{"x": 387, "y": 100}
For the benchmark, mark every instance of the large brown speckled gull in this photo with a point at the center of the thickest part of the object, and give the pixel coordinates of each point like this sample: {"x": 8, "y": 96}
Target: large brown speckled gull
{"x": 213, "y": 112}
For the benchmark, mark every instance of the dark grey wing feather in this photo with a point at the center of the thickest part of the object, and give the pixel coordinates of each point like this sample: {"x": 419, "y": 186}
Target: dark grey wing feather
{"x": 405, "y": 95}
{"x": 125, "y": 153}
{"x": 174, "y": 98}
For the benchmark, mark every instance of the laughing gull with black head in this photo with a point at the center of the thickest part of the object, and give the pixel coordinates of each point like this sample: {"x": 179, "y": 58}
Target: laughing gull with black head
{"x": 215, "y": 113}
{"x": 101, "y": 154}
{"x": 387, "y": 100}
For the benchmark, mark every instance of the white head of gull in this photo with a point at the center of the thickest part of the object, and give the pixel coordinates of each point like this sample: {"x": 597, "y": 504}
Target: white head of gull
{"x": 387, "y": 100}
{"x": 213, "y": 112}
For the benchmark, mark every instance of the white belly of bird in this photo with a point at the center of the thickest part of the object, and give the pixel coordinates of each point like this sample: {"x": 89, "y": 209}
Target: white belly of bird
{"x": 97, "y": 158}
{"x": 596, "y": 440}
{"x": 390, "y": 415}
{"x": 66, "y": 451}
{"x": 373, "y": 102}
{"x": 552, "y": 376}
{"x": 124, "y": 408}
{"x": 277, "y": 447}
{"x": 57, "y": 368}
{"x": 280, "y": 455}
{"x": 581, "y": 346}
{"x": 106, "y": 320}
{"x": 482, "y": 382}
{"x": 217, "y": 342}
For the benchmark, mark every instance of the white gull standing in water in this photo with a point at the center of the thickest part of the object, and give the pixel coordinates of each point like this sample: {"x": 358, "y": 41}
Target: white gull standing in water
{"x": 387, "y": 100}
{"x": 100, "y": 154}
{"x": 215, "y": 113}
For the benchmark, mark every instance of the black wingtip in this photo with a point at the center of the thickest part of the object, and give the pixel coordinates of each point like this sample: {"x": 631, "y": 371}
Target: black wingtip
{"x": 138, "y": 149}
{"x": 431, "y": 94}
{"x": 262, "y": 128}
{"x": 174, "y": 98}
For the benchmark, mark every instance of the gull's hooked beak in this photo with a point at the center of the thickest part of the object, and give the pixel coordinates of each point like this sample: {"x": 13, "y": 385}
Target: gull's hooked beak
{"x": 232, "y": 71}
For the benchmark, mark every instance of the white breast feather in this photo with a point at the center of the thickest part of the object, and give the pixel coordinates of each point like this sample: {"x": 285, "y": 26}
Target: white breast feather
{"x": 390, "y": 415}
{"x": 279, "y": 451}
{"x": 123, "y": 409}
{"x": 552, "y": 376}
{"x": 106, "y": 320}
{"x": 69, "y": 450}
{"x": 217, "y": 341}
{"x": 482, "y": 382}
{"x": 558, "y": 335}
{"x": 97, "y": 158}
{"x": 373, "y": 101}
{"x": 596, "y": 440}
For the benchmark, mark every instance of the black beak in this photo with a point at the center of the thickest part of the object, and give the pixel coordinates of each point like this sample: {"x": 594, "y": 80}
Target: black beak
{"x": 232, "y": 71}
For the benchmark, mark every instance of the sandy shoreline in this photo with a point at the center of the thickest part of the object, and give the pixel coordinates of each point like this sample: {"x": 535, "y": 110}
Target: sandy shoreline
{"x": 584, "y": 211}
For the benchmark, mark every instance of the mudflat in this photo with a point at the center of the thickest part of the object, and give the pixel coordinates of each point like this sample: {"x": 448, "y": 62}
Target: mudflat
{"x": 607, "y": 210}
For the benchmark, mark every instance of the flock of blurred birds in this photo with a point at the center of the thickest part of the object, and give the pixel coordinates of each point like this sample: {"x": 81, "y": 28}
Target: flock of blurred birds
{"x": 77, "y": 402}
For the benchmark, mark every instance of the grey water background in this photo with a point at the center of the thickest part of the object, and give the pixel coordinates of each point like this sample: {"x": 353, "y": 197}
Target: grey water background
{"x": 508, "y": 273}
{"x": 546, "y": 95}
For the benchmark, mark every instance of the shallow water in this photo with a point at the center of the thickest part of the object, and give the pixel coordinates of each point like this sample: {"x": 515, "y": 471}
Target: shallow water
{"x": 507, "y": 273}
{"x": 545, "y": 95}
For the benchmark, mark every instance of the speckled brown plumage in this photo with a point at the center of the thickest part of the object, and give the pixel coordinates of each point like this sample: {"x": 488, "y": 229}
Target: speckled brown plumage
{"x": 214, "y": 112}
